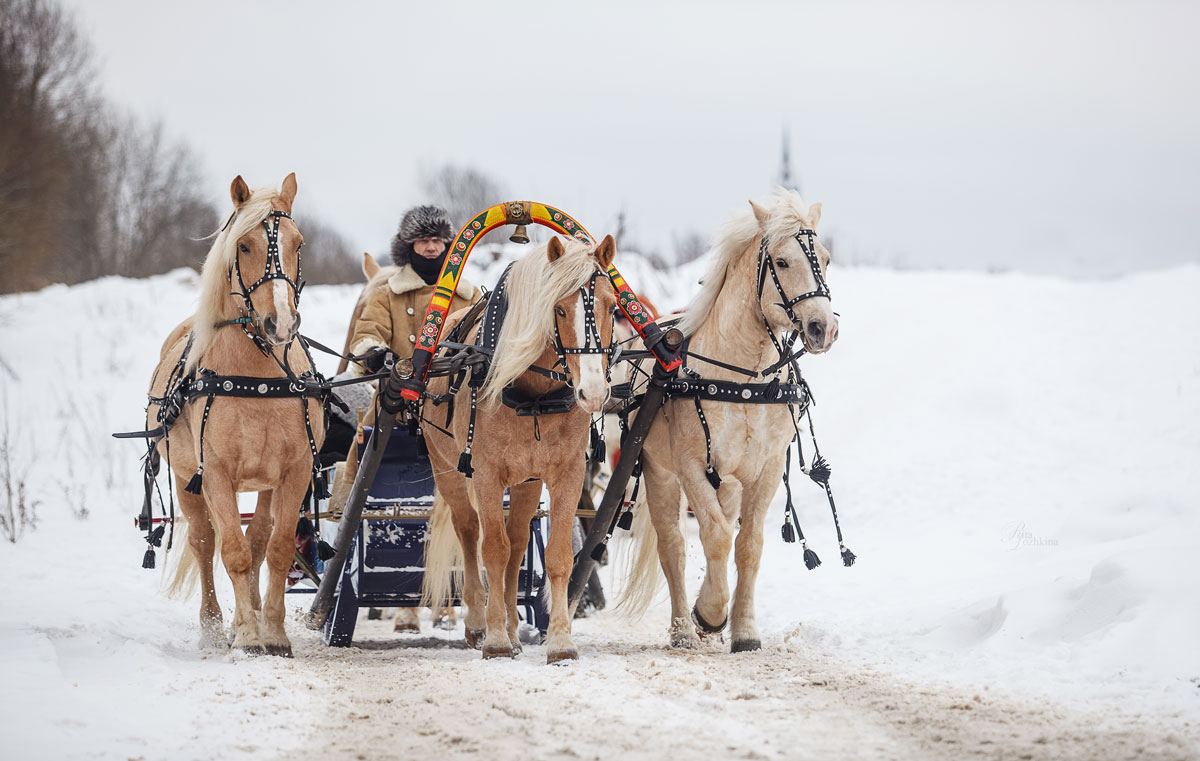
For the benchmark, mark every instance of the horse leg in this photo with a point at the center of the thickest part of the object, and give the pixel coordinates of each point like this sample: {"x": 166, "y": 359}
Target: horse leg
{"x": 564, "y": 500}
{"x": 466, "y": 526}
{"x": 235, "y": 553}
{"x": 662, "y": 499}
{"x": 489, "y": 503}
{"x": 522, "y": 505}
{"x": 716, "y": 536}
{"x": 748, "y": 554}
{"x": 257, "y": 533}
{"x": 202, "y": 543}
{"x": 280, "y": 550}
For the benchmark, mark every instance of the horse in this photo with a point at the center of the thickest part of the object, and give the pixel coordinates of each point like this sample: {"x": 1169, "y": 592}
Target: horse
{"x": 767, "y": 279}
{"x": 237, "y": 443}
{"x": 559, "y": 313}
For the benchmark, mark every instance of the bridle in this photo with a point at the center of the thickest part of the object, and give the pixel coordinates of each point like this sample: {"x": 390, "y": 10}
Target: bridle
{"x": 273, "y": 271}
{"x": 766, "y": 263}
{"x": 592, "y": 342}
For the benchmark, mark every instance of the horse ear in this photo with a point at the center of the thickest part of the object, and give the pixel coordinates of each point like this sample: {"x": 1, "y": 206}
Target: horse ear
{"x": 814, "y": 213}
{"x": 370, "y": 266}
{"x": 606, "y": 251}
{"x": 761, "y": 214}
{"x": 554, "y": 249}
{"x": 287, "y": 192}
{"x": 239, "y": 191}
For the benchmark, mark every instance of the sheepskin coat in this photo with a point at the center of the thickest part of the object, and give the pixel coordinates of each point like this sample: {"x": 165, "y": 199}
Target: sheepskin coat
{"x": 395, "y": 309}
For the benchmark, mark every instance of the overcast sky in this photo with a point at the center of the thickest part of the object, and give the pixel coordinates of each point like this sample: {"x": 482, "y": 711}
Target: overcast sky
{"x": 1050, "y": 136}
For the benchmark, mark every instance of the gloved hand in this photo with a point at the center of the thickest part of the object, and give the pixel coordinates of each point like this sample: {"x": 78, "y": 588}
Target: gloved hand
{"x": 374, "y": 359}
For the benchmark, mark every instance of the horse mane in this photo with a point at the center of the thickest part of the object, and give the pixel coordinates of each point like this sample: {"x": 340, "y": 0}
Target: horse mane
{"x": 214, "y": 276}
{"x": 534, "y": 286}
{"x": 787, "y": 214}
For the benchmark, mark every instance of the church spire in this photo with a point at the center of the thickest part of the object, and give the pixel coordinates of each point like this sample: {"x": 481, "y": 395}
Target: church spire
{"x": 785, "y": 166}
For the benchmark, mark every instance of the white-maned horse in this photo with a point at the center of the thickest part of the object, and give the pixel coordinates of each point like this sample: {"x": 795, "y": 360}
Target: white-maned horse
{"x": 728, "y": 320}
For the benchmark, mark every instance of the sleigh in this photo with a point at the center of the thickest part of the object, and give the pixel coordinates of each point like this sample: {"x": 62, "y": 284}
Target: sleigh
{"x": 385, "y": 563}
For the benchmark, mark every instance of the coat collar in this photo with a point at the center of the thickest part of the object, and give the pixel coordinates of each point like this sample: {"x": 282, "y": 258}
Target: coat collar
{"x": 406, "y": 279}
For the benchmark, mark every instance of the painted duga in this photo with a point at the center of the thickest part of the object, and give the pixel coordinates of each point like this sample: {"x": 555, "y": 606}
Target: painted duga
{"x": 246, "y": 325}
{"x": 733, "y": 320}
{"x": 550, "y": 292}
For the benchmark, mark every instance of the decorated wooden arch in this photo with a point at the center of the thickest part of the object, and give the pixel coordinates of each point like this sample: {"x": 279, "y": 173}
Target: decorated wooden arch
{"x": 521, "y": 213}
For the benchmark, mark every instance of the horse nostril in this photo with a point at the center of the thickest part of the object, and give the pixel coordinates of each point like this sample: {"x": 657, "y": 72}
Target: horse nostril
{"x": 816, "y": 329}
{"x": 269, "y": 323}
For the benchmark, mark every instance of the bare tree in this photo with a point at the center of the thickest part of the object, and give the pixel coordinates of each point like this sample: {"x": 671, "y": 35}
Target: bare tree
{"x": 327, "y": 256}
{"x": 46, "y": 82}
{"x": 461, "y": 190}
{"x": 689, "y": 246}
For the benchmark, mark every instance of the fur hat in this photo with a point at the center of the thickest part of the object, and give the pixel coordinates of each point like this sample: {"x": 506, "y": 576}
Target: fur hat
{"x": 420, "y": 222}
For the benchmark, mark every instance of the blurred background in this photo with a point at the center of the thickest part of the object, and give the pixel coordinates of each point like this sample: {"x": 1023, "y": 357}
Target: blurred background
{"x": 1041, "y": 137}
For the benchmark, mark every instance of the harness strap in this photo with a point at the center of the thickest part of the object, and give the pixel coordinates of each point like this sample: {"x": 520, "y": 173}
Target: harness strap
{"x": 710, "y": 471}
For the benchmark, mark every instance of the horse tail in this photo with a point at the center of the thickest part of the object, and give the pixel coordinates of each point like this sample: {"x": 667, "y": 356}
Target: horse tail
{"x": 183, "y": 574}
{"x": 443, "y": 557}
{"x": 639, "y": 560}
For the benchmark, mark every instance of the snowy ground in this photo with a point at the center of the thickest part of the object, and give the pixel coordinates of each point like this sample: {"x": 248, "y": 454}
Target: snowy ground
{"x": 1015, "y": 459}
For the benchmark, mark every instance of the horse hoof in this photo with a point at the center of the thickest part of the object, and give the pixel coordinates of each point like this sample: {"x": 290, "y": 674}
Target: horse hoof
{"x": 251, "y": 650}
{"x": 685, "y": 641}
{"x": 283, "y": 651}
{"x": 374, "y": 614}
{"x": 445, "y": 623}
{"x": 406, "y": 627}
{"x": 704, "y": 628}
{"x": 498, "y": 651}
{"x": 745, "y": 645}
{"x": 474, "y": 637}
{"x": 558, "y": 656}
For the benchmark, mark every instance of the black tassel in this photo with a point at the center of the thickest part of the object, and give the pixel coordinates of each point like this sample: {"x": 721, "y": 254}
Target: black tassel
{"x": 772, "y": 390}
{"x": 599, "y": 450}
{"x": 320, "y": 486}
{"x": 714, "y": 477}
{"x": 148, "y": 558}
{"x": 194, "y": 486}
{"x": 820, "y": 471}
{"x": 422, "y": 448}
{"x": 598, "y": 552}
{"x": 324, "y": 550}
{"x": 464, "y": 464}
{"x": 789, "y": 533}
{"x": 848, "y": 557}
{"x": 811, "y": 560}
{"x": 155, "y": 537}
{"x": 625, "y": 522}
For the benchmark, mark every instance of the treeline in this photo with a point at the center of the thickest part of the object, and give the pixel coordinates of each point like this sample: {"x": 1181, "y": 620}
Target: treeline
{"x": 86, "y": 190}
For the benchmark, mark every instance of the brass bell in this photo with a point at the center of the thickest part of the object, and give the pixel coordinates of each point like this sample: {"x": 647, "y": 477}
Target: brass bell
{"x": 520, "y": 235}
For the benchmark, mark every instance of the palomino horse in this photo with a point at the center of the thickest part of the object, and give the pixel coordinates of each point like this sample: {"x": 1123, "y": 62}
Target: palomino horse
{"x": 559, "y": 315}
{"x": 245, "y": 327}
{"x": 738, "y": 318}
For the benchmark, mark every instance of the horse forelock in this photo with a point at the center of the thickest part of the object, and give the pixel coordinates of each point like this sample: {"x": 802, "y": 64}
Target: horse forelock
{"x": 214, "y": 276}
{"x": 535, "y": 285}
{"x": 787, "y": 214}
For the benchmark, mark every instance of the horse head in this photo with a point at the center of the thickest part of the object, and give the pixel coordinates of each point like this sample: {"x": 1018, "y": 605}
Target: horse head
{"x": 583, "y": 325}
{"x": 793, "y": 291}
{"x": 264, "y": 273}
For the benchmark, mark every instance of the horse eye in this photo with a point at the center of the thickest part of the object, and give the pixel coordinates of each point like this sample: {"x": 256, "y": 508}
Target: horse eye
{"x": 560, "y": 311}
{"x": 782, "y": 264}
{"x": 244, "y": 248}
